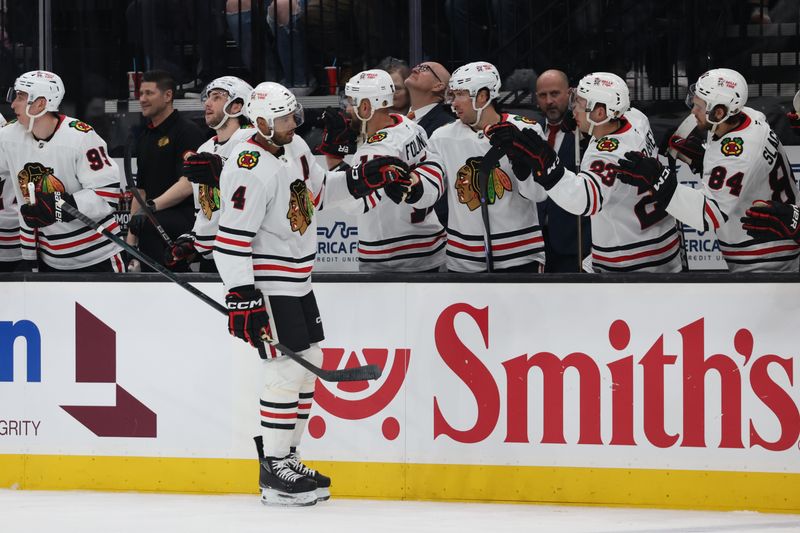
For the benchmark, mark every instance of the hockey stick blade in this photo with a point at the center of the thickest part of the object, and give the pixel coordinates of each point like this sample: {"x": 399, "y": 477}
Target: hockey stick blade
{"x": 135, "y": 191}
{"x": 346, "y": 374}
{"x": 489, "y": 161}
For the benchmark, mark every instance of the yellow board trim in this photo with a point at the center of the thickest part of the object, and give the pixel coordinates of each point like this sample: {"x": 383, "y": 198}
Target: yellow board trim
{"x": 677, "y": 489}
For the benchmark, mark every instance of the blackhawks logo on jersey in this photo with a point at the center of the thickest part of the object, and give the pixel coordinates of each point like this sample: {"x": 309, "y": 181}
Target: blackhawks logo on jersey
{"x": 607, "y": 144}
{"x": 467, "y": 187}
{"x": 301, "y": 207}
{"x": 376, "y": 138}
{"x": 42, "y": 178}
{"x": 80, "y": 126}
{"x": 525, "y": 120}
{"x": 209, "y": 199}
{"x": 732, "y": 146}
{"x": 247, "y": 159}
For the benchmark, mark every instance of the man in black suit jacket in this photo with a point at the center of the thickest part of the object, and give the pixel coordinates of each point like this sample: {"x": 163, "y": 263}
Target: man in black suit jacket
{"x": 560, "y": 227}
{"x": 426, "y": 86}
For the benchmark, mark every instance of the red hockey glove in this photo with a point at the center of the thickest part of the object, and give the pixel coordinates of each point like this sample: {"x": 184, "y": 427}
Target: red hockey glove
{"x": 364, "y": 178}
{"x": 247, "y": 315}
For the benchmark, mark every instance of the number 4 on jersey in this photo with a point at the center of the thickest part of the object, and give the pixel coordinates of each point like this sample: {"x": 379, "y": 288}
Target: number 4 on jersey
{"x": 238, "y": 198}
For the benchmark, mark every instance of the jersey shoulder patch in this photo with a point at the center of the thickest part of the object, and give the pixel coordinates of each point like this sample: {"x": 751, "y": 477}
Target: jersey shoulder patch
{"x": 732, "y": 146}
{"x": 607, "y": 144}
{"x": 248, "y": 159}
{"x": 80, "y": 125}
{"x": 377, "y": 137}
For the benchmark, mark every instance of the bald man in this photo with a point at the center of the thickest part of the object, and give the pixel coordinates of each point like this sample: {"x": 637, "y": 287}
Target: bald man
{"x": 560, "y": 227}
{"x": 426, "y": 86}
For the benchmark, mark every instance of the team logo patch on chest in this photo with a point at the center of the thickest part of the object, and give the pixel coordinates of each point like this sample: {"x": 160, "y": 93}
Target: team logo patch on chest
{"x": 732, "y": 146}
{"x": 467, "y": 187}
{"x": 163, "y": 141}
{"x": 376, "y": 138}
{"x": 42, "y": 178}
{"x": 208, "y": 197}
{"x": 301, "y": 207}
{"x": 80, "y": 126}
{"x": 607, "y": 144}
{"x": 247, "y": 159}
{"x": 524, "y": 120}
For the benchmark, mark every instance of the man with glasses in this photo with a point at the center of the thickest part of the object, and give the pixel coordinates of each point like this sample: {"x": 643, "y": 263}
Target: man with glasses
{"x": 426, "y": 86}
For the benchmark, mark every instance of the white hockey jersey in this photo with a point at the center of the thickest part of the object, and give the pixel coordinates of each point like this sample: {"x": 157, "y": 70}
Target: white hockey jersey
{"x": 744, "y": 165}
{"x": 73, "y": 160}
{"x": 267, "y": 229}
{"x": 628, "y": 232}
{"x": 10, "y": 248}
{"x": 404, "y": 237}
{"x": 516, "y": 234}
{"x": 207, "y": 197}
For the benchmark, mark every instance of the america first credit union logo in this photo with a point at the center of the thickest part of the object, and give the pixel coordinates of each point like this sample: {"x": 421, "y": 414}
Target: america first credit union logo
{"x": 247, "y": 159}
{"x": 359, "y": 400}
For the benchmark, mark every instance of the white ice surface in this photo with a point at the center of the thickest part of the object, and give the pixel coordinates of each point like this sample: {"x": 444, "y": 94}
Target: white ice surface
{"x": 101, "y": 512}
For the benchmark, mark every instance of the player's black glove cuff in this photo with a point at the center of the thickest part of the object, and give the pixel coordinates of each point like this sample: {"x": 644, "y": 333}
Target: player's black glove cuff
{"x": 247, "y": 315}
{"x": 640, "y": 171}
{"x": 47, "y": 209}
{"x": 203, "y": 168}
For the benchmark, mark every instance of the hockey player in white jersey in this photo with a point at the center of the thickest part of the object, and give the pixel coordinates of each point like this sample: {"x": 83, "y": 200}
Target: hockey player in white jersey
{"x": 65, "y": 160}
{"x": 270, "y": 188}
{"x": 630, "y": 233}
{"x": 10, "y": 247}
{"x": 491, "y": 227}
{"x": 744, "y": 162}
{"x": 223, "y": 100}
{"x": 398, "y": 230}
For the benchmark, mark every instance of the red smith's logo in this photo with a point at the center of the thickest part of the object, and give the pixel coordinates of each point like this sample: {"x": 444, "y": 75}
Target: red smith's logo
{"x": 767, "y": 377}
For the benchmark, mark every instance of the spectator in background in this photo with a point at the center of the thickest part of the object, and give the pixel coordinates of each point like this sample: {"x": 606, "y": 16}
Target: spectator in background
{"x": 426, "y": 86}
{"x": 286, "y": 18}
{"x": 160, "y": 150}
{"x": 559, "y": 227}
{"x": 399, "y": 71}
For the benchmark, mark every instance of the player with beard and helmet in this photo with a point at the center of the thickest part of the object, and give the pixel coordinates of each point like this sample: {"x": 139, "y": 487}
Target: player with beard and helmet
{"x": 270, "y": 188}
{"x": 630, "y": 232}
{"x": 61, "y": 158}
{"x": 223, "y": 100}
{"x": 744, "y": 164}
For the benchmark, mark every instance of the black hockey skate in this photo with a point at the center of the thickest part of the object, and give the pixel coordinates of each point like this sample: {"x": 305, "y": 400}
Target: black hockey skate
{"x": 280, "y": 484}
{"x": 323, "y": 482}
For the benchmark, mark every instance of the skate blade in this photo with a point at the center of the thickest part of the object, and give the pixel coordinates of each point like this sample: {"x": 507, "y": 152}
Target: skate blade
{"x": 323, "y": 494}
{"x": 286, "y": 499}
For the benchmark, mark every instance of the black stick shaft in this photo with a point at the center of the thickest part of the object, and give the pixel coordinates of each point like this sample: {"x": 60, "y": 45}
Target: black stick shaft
{"x": 346, "y": 374}
{"x": 135, "y": 191}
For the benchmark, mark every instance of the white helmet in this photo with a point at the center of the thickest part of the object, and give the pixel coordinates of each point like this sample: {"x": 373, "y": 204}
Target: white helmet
{"x": 720, "y": 86}
{"x": 473, "y": 77}
{"x": 270, "y": 101}
{"x": 39, "y": 84}
{"x": 607, "y": 89}
{"x": 374, "y": 85}
{"x": 236, "y": 88}
{"x": 476, "y": 76}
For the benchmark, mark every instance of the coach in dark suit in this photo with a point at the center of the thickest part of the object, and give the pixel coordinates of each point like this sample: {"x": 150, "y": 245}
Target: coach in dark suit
{"x": 560, "y": 227}
{"x": 426, "y": 86}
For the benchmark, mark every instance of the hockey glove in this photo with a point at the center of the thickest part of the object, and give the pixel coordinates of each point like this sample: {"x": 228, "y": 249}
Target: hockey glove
{"x": 528, "y": 153}
{"x": 46, "y": 210}
{"x": 407, "y": 188}
{"x": 203, "y": 168}
{"x": 182, "y": 251}
{"x": 768, "y": 221}
{"x": 247, "y": 315}
{"x": 640, "y": 171}
{"x": 794, "y": 122}
{"x": 338, "y": 140}
{"x": 691, "y": 149}
{"x": 568, "y": 123}
{"x": 364, "y": 178}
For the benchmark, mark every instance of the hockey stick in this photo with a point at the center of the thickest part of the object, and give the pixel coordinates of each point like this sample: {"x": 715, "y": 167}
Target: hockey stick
{"x": 578, "y": 217}
{"x": 489, "y": 161}
{"x": 135, "y": 191}
{"x": 360, "y": 373}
